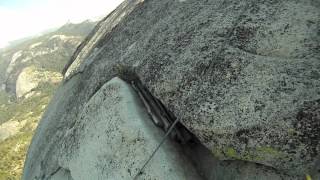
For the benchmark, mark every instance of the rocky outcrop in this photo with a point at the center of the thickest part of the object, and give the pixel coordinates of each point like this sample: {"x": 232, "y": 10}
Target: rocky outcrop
{"x": 242, "y": 76}
{"x": 10, "y": 128}
{"x": 31, "y": 77}
{"x": 123, "y": 136}
{"x": 50, "y": 54}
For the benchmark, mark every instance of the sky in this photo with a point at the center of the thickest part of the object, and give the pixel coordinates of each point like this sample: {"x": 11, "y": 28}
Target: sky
{"x": 23, "y": 18}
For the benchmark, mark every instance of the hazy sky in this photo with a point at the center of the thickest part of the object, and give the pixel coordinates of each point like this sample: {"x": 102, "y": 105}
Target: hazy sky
{"x": 21, "y": 18}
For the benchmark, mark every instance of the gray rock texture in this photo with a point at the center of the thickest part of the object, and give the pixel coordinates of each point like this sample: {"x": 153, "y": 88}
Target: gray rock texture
{"x": 114, "y": 138}
{"x": 243, "y": 77}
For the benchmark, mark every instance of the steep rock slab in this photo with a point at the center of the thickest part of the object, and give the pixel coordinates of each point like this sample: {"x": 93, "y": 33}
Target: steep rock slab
{"x": 117, "y": 137}
{"x": 113, "y": 138}
{"x": 238, "y": 73}
{"x": 243, "y": 76}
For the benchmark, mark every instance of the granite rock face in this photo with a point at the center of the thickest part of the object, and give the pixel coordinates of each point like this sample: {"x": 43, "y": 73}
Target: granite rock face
{"x": 114, "y": 138}
{"x": 243, "y": 77}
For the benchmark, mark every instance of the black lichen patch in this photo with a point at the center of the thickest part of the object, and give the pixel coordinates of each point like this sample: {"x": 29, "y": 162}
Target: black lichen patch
{"x": 245, "y": 134}
{"x": 244, "y": 34}
{"x": 259, "y": 106}
{"x": 226, "y": 67}
{"x": 308, "y": 125}
{"x": 243, "y": 38}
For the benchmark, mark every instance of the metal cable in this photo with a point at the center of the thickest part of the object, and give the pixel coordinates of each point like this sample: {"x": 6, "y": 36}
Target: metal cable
{"x": 154, "y": 152}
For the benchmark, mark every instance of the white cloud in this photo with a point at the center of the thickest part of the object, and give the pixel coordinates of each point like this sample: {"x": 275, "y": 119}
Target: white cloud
{"x": 22, "y": 22}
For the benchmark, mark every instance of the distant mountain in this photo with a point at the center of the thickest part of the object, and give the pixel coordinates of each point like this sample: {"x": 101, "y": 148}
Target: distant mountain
{"x": 81, "y": 29}
{"x": 30, "y": 71}
{"x": 47, "y": 52}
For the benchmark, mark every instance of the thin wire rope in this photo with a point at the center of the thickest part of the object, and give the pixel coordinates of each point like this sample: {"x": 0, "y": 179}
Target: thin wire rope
{"x": 154, "y": 152}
